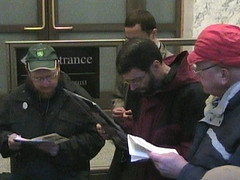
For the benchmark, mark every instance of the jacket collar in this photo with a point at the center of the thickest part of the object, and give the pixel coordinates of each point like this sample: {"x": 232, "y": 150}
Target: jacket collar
{"x": 215, "y": 106}
{"x": 174, "y": 66}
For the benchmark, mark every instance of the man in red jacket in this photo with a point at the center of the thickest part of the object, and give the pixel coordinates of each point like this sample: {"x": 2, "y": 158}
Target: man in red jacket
{"x": 138, "y": 24}
{"x": 166, "y": 100}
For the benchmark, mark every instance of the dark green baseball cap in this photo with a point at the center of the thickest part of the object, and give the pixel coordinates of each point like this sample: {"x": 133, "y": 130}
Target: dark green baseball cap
{"x": 41, "y": 56}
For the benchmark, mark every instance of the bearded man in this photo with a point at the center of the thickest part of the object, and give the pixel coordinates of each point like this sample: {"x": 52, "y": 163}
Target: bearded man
{"x": 41, "y": 106}
{"x": 166, "y": 101}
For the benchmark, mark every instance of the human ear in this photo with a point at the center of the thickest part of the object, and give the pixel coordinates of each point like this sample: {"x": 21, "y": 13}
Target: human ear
{"x": 153, "y": 34}
{"x": 155, "y": 66}
{"x": 224, "y": 76}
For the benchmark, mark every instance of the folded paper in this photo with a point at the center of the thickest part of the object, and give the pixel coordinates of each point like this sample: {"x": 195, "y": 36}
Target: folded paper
{"x": 49, "y": 138}
{"x": 139, "y": 148}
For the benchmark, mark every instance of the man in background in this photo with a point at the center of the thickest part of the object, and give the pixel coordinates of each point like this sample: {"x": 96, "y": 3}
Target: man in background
{"x": 41, "y": 106}
{"x": 138, "y": 24}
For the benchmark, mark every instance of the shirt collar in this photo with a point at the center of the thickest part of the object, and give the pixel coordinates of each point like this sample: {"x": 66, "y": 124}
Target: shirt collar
{"x": 215, "y": 107}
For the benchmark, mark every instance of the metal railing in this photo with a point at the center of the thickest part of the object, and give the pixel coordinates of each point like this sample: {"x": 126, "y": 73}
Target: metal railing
{"x": 104, "y": 42}
{"x": 178, "y": 41}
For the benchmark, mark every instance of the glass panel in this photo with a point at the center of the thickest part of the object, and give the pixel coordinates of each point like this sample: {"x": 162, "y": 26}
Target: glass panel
{"x": 107, "y": 76}
{"x": 162, "y": 10}
{"x": 4, "y": 59}
{"x": 91, "y": 11}
{"x": 18, "y": 12}
{"x": 107, "y": 68}
{"x": 166, "y": 35}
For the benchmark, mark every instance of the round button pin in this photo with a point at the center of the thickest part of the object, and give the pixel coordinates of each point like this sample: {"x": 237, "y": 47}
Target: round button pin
{"x": 25, "y": 105}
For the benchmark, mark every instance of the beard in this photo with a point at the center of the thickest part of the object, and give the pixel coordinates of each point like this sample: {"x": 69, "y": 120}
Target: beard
{"x": 43, "y": 93}
{"x": 152, "y": 86}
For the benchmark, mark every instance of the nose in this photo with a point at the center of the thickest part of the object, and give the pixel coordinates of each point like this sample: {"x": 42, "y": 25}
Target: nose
{"x": 133, "y": 86}
{"x": 44, "y": 83}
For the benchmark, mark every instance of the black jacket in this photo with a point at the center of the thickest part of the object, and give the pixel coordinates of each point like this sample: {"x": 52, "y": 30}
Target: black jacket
{"x": 66, "y": 116}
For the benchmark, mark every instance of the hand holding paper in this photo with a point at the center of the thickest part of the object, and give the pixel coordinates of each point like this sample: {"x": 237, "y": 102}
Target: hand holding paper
{"x": 139, "y": 148}
{"x": 50, "y": 138}
{"x": 12, "y": 144}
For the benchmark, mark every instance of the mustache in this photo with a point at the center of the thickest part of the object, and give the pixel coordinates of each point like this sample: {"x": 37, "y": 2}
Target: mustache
{"x": 40, "y": 92}
{"x": 152, "y": 86}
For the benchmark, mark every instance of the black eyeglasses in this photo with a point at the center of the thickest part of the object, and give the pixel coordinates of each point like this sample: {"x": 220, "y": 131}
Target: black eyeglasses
{"x": 196, "y": 70}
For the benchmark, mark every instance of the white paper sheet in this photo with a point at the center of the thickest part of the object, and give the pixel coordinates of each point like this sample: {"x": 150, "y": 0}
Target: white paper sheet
{"x": 139, "y": 148}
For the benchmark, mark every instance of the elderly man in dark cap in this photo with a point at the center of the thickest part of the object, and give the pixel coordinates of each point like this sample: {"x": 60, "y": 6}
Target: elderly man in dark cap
{"x": 41, "y": 106}
{"x": 216, "y": 62}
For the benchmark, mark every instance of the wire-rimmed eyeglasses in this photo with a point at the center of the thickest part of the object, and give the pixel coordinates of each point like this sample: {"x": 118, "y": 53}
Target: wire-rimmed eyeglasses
{"x": 47, "y": 78}
{"x": 196, "y": 70}
{"x": 136, "y": 81}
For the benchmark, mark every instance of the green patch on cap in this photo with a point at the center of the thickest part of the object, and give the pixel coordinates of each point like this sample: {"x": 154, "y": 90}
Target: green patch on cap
{"x": 41, "y": 56}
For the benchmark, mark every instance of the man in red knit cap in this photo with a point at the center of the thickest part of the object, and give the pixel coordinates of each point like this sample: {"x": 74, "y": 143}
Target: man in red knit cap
{"x": 216, "y": 62}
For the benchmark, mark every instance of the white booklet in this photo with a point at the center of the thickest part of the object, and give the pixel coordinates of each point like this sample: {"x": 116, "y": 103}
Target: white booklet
{"x": 139, "y": 148}
{"x": 50, "y": 138}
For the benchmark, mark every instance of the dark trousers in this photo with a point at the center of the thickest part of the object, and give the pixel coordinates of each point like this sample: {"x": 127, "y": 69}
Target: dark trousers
{"x": 121, "y": 167}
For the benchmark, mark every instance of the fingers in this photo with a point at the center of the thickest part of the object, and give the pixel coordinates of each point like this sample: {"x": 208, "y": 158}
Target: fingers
{"x": 159, "y": 163}
{"x": 168, "y": 164}
{"x": 127, "y": 114}
{"x": 118, "y": 112}
{"x": 13, "y": 145}
{"x": 102, "y": 132}
{"x": 155, "y": 156}
{"x": 121, "y": 114}
{"x": 99, "y": 128}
